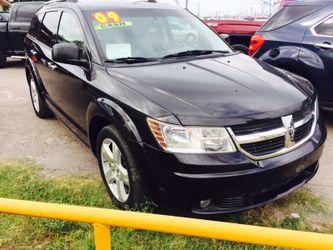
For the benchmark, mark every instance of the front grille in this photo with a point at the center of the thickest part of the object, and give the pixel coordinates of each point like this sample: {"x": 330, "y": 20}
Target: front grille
{"x": 268, "y": 138}
{"x": 302, "y": 131}
{"x": 256, "y": 126}
{"x": 232, "y": 203}
{"x": 264, "y": 147}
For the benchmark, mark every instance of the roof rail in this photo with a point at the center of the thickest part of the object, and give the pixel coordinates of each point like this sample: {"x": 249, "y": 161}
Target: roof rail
{"x": 149, "y": 1}
{"x": 55, "y": 1}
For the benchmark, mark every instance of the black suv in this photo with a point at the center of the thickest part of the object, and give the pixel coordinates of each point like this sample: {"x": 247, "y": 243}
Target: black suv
{"x": 171, "y": 116}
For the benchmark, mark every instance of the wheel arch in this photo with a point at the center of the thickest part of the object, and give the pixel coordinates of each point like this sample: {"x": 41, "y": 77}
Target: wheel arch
{"x": 103, "y": 112}
{"x": 30, "y": 69}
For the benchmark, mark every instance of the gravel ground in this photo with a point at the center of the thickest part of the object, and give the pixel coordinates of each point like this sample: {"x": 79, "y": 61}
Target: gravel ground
{"x": 59, "y": 151}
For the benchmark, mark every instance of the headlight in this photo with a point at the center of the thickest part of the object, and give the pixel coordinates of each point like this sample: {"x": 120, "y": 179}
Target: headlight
{"x": 179, "y": 139}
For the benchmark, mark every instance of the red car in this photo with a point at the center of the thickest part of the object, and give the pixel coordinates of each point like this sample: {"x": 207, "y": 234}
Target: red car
{"x": 239, "y": 31}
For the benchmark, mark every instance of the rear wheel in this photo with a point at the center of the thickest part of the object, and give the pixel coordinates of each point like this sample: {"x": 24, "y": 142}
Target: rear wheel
{"x": 120, "y": 169}
{"x": 3, "y": 59}
{"x": 241, "y": 48}
{"x": 38, "y": 101}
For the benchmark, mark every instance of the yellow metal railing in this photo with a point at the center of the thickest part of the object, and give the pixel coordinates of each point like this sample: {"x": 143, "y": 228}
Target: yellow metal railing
{"x": 102, "y": 219}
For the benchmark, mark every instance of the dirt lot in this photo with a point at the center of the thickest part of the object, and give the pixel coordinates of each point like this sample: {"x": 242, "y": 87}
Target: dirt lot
{"x": 52, "y": 145}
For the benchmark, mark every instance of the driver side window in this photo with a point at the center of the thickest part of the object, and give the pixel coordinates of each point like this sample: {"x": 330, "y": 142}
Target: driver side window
{"x": 70, "y": 31}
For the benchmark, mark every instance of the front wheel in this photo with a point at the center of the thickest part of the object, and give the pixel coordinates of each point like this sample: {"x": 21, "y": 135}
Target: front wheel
{"x": 120, "y": 170}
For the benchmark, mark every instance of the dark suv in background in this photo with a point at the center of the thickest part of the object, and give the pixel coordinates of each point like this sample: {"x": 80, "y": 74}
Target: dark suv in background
{"x": 178, "y": 120}
{"x": 299, "y": 38}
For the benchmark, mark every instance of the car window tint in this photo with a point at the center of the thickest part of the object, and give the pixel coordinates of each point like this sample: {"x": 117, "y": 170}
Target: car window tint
{"x": 35, "y": 25}
{"x": 287, "y": 15}
{"x": 153, "y": 33}
{"x": 49, "y": 28}
{"x": 70, "y": 30}
{"x": 325, "y": 28}
{"x": 26, "y": 12}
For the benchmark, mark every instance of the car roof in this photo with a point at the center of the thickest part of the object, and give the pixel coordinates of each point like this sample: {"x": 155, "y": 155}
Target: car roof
{"x": 89, "y": 5}
{"x": 309, "y": 2}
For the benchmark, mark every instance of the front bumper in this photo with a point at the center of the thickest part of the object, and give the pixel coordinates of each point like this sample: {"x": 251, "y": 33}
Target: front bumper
{"x": 232, "y": 182}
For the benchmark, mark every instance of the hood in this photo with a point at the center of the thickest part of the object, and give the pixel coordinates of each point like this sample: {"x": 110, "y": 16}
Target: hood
{"x": 230, "y": 89}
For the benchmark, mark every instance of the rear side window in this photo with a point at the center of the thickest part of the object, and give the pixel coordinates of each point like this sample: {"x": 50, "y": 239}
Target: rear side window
{"x": 48, "y": 33}
{"x": 287, "y": 15}
{"x": 26, "y": 12}
{"x": 35, "y": 25}
{"x": 325, "y": 28}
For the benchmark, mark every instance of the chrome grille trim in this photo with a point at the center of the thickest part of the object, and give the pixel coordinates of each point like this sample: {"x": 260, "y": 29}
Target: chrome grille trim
{"x": 263, "y": 136}
{"x": 275, "y": 133}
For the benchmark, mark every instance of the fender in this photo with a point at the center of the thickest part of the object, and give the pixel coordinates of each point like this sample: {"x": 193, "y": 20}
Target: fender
{"x": 295, "y": 59}
{"x": 282, "y": 55}
{"x": 31, "y": 68}
{"x": 113, "y": 113}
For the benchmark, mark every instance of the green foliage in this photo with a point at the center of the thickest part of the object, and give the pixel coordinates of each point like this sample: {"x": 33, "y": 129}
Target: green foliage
{"x": 22, "y": 180}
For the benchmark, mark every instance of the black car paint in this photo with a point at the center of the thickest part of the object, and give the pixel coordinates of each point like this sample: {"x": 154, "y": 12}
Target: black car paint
{"x": 191, "y": 91}
{"x": 292, "y": 47}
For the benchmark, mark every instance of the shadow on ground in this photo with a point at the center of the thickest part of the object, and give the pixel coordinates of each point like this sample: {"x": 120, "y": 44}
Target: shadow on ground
{"x": 14, "y": 64}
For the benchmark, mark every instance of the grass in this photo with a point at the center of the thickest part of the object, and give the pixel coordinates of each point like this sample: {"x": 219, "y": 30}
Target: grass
{"x": 22, "y": 180}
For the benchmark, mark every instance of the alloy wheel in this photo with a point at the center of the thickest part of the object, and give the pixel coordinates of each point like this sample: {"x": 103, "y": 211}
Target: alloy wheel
{"x": 34, "y": 95}
{"x": 114, "y": 170}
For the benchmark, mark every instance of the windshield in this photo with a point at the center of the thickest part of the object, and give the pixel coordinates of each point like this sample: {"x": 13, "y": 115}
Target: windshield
{"x": 151, "y": 33}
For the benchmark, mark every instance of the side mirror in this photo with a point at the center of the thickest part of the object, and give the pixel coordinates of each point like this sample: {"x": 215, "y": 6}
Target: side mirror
{"x": 225, "y": 37}
{"x": 69, "y": 53}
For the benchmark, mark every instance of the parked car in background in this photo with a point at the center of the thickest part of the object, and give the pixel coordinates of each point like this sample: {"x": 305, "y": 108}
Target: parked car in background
{"x": 13, "y": 29}
{"x": 299, "y": 38}
{"x": 183, "y": 32}
{"x": 239, "y": 31}
{"x": 188, "y": 123}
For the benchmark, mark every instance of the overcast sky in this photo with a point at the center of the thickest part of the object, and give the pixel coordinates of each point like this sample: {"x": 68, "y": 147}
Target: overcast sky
{"x": 230, "y": 7}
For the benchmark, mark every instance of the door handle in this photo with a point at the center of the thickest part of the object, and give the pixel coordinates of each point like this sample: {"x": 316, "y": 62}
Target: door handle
{"x": 52, "y": 66}
{"x": 15, "y": 28}
{"x": 324, "y": 45}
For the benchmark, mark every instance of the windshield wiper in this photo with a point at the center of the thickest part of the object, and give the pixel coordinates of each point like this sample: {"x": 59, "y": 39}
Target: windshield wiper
{"x": 195, "y": 53}
{"x": 131, "y": 60}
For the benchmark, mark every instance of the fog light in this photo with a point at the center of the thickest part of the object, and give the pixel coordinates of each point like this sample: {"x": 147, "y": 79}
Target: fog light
{"x": 205, "y": 203}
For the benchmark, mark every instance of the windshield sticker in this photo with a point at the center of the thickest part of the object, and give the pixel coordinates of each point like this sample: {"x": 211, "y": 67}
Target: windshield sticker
{"x": 109, "y": 17}
{"x": 118, "y": 50}
{"x": 113, "y": 25}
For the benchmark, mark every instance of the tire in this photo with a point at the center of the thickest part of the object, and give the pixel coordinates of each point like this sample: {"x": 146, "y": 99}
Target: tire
{"x": 3, "y": 59}
{"x": 38, "y": 102}
{"x": 241, "y": 48}
{"x": 123, "y": 180}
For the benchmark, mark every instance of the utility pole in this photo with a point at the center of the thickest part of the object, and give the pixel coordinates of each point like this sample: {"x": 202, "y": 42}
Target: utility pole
{"x": 186, "y": 5}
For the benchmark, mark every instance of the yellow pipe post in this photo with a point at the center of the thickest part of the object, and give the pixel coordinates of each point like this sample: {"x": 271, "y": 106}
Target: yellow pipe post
{"x": 170, "y": 224}
{"x": 102, "y": 237}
